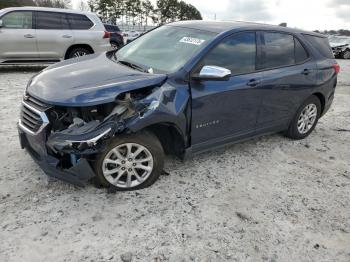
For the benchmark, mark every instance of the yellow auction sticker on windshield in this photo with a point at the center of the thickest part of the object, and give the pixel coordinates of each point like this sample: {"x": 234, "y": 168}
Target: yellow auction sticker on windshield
{"x": 191, "y": 40}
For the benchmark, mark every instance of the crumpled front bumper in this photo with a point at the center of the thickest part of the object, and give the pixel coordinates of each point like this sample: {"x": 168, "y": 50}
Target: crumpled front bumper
{"x": 78, "y": 174}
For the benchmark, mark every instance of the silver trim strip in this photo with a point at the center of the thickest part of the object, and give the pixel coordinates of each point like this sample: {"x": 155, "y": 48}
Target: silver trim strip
{"x": 42, "y": 116}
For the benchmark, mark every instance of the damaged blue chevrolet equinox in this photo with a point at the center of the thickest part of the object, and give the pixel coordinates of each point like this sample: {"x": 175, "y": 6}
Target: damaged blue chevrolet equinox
{"x": 181, "y": 88}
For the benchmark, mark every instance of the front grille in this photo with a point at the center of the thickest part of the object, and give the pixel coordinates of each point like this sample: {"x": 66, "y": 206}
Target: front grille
{"x": 41, "y": 106}
{"x": 32, "y": 117}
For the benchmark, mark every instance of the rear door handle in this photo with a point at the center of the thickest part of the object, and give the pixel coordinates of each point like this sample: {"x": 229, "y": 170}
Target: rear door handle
{"x": 29, "y": 36}
{"x": 253, "y": 83}
{"x": 66, "y": 36}
{"x": 306, "y": 71}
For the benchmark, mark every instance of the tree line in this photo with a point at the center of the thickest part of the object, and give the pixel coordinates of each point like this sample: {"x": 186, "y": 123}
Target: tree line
{"x": 131, "y": 12}
{"x": 142, "y": 12}
{"x": 335, "y": 32}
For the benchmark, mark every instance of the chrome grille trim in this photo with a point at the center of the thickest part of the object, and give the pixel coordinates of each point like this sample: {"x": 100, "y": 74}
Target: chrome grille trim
{"x": 32, "y": 120}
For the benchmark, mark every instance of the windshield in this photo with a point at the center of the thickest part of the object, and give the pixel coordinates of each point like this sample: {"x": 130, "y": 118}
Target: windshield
{"x": 165, "y": 49}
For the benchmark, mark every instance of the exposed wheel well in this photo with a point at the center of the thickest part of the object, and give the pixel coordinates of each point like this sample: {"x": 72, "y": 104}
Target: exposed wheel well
{"x": 77, "y": 46}
{"x": 322, "y": 100}
{"x": 170, "y": 137}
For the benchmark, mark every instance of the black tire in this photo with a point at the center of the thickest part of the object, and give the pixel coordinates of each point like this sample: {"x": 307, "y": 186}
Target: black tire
{"x": 346, "y": 54}
{"x": 78, "y": 50}
{"x": 147, "y": 140}
{"x": 293, "y": 131}
{"x": 116, "y": 45}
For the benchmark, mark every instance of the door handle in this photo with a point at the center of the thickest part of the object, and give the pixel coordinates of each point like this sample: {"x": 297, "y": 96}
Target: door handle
{"x": 306, "y": 71}
{"x": 66, "y": 36}
{"x": 29, "y": 36}
{"x": 253, "y": 82}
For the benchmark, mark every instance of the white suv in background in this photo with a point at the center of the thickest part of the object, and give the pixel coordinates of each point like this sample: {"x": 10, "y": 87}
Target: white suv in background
{"x": 34, "y": 34}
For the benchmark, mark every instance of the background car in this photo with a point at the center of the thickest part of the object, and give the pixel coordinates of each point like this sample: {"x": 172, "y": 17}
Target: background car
{"x": 131, "y": 35}
{"x": 340, "y": 46}
{"x": 34, "y": 34}
{"x": 116, "y": 36}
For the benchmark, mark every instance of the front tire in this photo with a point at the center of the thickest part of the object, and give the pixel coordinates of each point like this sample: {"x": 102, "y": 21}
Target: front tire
{"x": 305, "y": 119}
{"x": 130, "y": 162}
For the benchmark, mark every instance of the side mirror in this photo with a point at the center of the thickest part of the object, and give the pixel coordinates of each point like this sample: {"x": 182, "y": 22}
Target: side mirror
{"x": 0, "y": 23}
{"x": 215, "y": 73}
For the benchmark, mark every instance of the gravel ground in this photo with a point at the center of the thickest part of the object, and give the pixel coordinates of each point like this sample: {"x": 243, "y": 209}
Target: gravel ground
{"x": 267, "y": 199}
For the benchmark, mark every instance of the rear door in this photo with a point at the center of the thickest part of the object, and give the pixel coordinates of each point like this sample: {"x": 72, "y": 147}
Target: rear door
{"x": 289, "y": 75}
{"x": 54, "y": 35}
{"x": 17, "y": 36}
{"x": 81, "y": 26}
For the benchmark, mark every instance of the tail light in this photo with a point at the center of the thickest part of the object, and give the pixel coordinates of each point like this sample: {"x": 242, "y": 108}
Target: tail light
{"x": 107, "y": 35}
{"x": 336, "y": 68}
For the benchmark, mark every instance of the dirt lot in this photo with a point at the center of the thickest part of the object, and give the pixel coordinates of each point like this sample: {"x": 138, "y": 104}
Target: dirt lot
{"x": 268, "y": 199}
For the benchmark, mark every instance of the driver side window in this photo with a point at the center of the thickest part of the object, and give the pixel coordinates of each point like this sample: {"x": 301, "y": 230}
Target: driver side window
{"x": 18, "y": 20}
{"x": 237, "y": 53}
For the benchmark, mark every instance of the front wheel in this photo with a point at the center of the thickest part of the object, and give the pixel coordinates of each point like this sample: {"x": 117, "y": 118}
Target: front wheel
{"x": 305, "y": 119}
{"x": 130, "y": 162}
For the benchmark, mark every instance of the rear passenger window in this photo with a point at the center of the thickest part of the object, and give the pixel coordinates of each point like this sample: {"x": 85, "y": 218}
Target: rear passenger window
{"x": 281, "y": 49}
{"x": 17, "y": 20}
{"x": 79, "y": 22}
{"x": 236, "y": 53}
{"x": 278, "y": 50}
{"x": 321, "y": 44}
{"x": 300, "y": 52}
{"x": 51, "y": 20}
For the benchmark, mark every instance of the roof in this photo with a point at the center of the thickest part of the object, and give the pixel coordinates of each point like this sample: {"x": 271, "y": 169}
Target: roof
{"x": 224, "y": 26}
{"x": 34, "y": 8}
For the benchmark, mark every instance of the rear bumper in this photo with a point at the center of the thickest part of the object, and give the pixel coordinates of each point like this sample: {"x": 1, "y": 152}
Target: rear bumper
{"x": 105, "y": 47}
{"x": 35, "y": 145}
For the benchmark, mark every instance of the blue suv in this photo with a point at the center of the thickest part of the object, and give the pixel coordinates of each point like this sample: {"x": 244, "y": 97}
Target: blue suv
{"x": 181, "y": 88}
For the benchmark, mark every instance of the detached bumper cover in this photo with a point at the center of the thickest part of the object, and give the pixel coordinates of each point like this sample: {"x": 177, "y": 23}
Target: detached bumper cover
{"x": 78, "y": 174}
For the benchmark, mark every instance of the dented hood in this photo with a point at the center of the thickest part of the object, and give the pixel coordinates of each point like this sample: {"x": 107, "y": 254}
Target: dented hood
{"x": 87, "y": 81}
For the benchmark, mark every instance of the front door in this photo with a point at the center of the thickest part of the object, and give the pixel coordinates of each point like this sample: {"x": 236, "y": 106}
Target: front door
{"x": 17, "y": 36}
{"x": 222, "y": 110}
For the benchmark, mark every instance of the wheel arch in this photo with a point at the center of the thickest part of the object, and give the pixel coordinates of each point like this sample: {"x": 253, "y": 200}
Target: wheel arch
{"x": 170, "y": 137}
{"x": 322, "y": 99}
{"x": 77, "y": 46}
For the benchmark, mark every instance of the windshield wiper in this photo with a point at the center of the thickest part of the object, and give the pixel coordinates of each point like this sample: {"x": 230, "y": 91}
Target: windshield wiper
{"x": 133, "y": 66}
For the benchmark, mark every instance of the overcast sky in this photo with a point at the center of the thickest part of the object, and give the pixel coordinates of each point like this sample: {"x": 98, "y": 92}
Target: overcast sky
{"x": 305, "y": 14}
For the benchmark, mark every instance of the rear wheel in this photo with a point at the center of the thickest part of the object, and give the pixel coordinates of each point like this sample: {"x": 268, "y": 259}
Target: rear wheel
{"x": 305, "y": 119}
{"x": 115, "y": 45}
{"x": 130, "y": 162}
{"x": 78, "y": 52}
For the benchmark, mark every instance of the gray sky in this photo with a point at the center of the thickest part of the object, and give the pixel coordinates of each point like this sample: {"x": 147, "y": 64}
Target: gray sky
{"x": 305, "y": 14}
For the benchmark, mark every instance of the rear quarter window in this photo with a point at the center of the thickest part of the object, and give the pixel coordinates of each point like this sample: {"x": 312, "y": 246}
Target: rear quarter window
{"x": 79, "y": 22}
{"x": 321, "y": 44}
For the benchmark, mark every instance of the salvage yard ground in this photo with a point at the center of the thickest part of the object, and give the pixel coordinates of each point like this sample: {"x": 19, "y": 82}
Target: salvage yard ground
{"x": 267, "y": 199}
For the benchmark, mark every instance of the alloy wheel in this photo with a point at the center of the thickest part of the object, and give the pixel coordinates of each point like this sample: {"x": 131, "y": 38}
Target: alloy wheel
{"x": 127, "y": 165}
{"x": 307, "y": 118}
{"x": 79, "y": 53}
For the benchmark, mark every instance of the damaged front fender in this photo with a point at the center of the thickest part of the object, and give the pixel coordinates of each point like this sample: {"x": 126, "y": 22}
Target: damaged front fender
{"x": 132, "y": 112}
